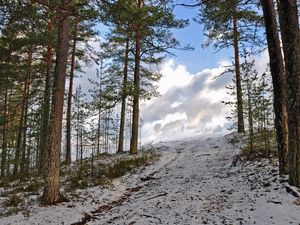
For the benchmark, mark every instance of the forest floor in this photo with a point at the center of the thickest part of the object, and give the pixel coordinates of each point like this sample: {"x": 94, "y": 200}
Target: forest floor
{"x": 193, "y": 182}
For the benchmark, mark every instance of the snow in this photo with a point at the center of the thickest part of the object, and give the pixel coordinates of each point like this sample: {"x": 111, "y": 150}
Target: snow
{"x": 193, "y": 182}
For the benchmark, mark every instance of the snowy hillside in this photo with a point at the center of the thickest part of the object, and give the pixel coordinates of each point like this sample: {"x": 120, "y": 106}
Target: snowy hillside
{"x": 193, "y": 182}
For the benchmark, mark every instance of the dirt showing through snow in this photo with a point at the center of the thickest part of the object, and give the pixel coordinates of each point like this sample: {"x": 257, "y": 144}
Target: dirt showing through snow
{"x": 194, "y": 182}
{"x": 201, "y": 187}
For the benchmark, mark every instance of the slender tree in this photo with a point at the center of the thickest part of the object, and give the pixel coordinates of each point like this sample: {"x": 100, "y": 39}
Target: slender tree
{"x": 43, "y": 145}
{"x": 70, "y": 94}
{"x": 124, "y": 97}
{"x": 279, "y": 83}
{"x": 231, "y": 24}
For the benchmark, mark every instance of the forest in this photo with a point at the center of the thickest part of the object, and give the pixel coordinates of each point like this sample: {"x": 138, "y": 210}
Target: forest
{"x": 49, "y": 125}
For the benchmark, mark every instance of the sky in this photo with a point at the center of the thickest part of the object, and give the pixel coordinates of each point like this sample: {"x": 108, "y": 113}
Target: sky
{"x": 190, "y": 97}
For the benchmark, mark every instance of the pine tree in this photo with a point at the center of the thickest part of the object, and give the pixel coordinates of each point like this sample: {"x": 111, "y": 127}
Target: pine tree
{"x": 231, "y": 24}
{"x": 279, "y": 83}
{"x": 289, "y": 26}
{"x": 51, "y": 192}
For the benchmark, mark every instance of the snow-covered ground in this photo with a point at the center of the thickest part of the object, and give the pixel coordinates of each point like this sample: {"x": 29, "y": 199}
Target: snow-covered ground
{"x": 194, "y": 182}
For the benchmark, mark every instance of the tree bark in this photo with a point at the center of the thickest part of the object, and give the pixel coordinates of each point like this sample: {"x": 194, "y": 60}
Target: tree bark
{"x": 279, "y": 83}
{"x": 290, "y": 36}
{"x": 70, "y": 96}
{"x": 250, "y": 113}
{"x": 239, "y": 93}
{"x": 24, "y": 129}
{"x": 99, "y": 109}
{"x": 124, "y": 96}
{"x": 4, "y": 135}
{"x": 46, "y": 108}
{"x": 21, "y": 127}
{"x": 135, "y": 106}
{"x": 51, "y": 192}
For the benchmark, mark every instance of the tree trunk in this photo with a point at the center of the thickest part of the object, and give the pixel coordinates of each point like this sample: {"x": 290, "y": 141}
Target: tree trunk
{"x": 250, "y": 113}
{"x": 136, "y": 94}
{"x": 24, "y": 126}
{"x": 239, "y": 93}
{"x": 21, "y": 127}
{"x": 290, "y": 37}
{"x": 46, "y": 108}
{"x": 70, "y": 96}
{"x": 51, "y": 191}
{"x": 279, "y": 83}
{"x": 23, "y": 160}
{"x": 81, "y": 145}
{"x": 77, "y": 127}
{"x": 4, "y": 134}
{"x": 99, "y": 108}
{"x": 124, "y": 96}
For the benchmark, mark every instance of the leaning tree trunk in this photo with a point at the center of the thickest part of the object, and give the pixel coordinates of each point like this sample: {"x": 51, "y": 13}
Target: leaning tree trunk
{"x": 51, "y": 193}
{"x": 70, "y": 96}
{"x": 290, "y": 37}
{"x": 239, "y": 93}
{"x": 124, "y": 96}
{"x": 279, "y": 83}
{"x": 136, "y": 94}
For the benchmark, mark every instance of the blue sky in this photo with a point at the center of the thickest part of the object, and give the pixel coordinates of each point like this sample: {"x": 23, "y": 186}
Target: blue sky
{"x": 200, "y": 58}
{"x": 190, "y": 100}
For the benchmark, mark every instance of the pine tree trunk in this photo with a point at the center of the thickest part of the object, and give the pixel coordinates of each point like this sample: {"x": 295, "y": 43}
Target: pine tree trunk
{"x": 43, "y": 146}
{"x": 98, "y": 132}
{"x": 21, "y": 127}
{"x": 239, "y": 93}
{"x": 99, "y": 109}
{"x": 81, "y": 145}
{"x": 24, "y": 126}
{"x": 23, "y": 160}
{"x": 135, "y": 106}
{"x": 4, "y": 134}
{"x": 19, "y": 134}
{"x": 279, "y": 84}
{"x": 9, "y": 124}
{"x": 124, "y": 96}
{"x": 70, "y": 96}
{"x": 51, "y": 191}
{"x": 291, "y": 39}
{"x": 77, "y": 130}
{"x": 250, "y": 114}
{"x": 136, "y": 94}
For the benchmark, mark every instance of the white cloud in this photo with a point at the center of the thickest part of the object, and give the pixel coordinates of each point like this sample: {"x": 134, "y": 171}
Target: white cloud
{"x": 190, "y": 104}
{"x": 173, "y": 76}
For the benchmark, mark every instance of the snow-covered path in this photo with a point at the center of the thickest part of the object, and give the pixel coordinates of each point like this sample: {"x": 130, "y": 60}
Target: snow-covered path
{"x": 200, "y": 187}
{"x": 193, "y": 182}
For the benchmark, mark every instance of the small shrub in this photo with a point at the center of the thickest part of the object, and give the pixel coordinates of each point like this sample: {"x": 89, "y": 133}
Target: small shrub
{"x": 9, "y": 212}
{"x": 5, "y": 182}
{"x": 262, "y": 146}
{"x": 34, "y": 186}
{"x": 77, "y": 180}
{"x": 14, "y": 200}
{"x": 123, "y": 166}
{"x": 101, "y": 181}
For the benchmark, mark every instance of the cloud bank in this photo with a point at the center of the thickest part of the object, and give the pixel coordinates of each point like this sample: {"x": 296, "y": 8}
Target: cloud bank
{"x": 189, "y": 105}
